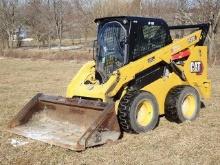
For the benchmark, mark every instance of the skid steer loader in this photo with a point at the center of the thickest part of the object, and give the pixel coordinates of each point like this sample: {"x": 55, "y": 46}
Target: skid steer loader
{"x": 138, "y": 74}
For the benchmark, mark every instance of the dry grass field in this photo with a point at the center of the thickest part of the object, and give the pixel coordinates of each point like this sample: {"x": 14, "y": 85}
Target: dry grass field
{"x": 195, "y": 142}
{"x": 35, "y": 53}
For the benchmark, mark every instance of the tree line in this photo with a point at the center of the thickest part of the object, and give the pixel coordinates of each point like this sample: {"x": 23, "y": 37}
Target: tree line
{"x": 48, "y": 20}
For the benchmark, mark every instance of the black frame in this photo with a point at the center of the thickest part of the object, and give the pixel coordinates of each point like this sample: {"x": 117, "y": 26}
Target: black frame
{"x": 204, "y": 27}
{"x": 143, "y": 21}
{"x": 130, "y": 23}
{"x": 104, "y": 76}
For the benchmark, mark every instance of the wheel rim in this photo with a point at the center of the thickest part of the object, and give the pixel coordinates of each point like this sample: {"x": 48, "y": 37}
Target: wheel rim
{"x": 189, "y": 106}
{"x": 144, "y": 113}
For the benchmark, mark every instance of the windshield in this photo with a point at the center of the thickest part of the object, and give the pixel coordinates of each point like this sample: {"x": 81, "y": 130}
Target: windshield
{"x": 111, "y": 49}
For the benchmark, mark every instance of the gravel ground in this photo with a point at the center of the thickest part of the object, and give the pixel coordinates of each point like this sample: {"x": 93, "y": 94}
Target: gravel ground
{"x": 195, "y": 142}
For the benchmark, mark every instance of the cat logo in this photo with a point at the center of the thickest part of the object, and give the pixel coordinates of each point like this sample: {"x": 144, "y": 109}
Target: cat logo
{"x": 196, "y": 67}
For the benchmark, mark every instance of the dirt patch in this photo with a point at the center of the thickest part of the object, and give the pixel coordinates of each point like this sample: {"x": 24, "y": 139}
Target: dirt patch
{"x": 195, "y": 142}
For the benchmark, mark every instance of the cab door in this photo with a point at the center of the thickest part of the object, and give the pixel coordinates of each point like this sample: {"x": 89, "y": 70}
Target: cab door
{"x": 111, "y": 49}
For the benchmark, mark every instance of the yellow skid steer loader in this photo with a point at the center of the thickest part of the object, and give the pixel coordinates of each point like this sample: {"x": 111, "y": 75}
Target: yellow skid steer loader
{"x": 138, "y": 73}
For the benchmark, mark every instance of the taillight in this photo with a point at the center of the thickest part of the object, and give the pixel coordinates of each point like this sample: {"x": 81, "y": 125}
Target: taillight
{"x": 181, "y": 55}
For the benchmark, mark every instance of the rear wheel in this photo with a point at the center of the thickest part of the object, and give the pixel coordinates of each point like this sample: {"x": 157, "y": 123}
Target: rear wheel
{"x": 182, "y": 103}
{"x": 138, "y": 112}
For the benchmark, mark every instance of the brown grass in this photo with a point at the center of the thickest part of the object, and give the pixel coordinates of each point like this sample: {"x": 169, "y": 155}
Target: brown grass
{"x": 77, "y": 55}
{"x": 195, "y": 142}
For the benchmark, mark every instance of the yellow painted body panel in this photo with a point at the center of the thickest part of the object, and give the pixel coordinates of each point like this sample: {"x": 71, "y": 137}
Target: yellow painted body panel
{"x": 159, "y": 88}
{"x": 78, "y": 86}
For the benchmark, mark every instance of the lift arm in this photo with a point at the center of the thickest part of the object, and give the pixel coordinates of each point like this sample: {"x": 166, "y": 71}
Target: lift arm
{"x": 128, "y": 72}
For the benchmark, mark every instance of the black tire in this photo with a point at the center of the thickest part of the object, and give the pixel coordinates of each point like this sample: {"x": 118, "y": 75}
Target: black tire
{"x": 174, "y": 110}
{"x": 128, "y": 109}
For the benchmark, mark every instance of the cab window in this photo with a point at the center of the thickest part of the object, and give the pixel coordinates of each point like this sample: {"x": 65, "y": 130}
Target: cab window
{"x": 148, "y": 38}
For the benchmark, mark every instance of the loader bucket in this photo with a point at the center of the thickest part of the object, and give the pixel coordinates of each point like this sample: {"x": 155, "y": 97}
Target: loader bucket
{"x": 70, "y": 123}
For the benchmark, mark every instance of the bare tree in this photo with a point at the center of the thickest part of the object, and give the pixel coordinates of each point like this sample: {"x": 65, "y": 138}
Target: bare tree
{"x": 58, "y": 14}
{"x": 85, "y": 15}
{"x": 36, "y": 22}
{"x": 9, "y": 20}
{"x": 136, "y": 7}
{"x": 57, "y": 19}
{"x": 48, "y": 15}
{"x": 201, "y": 12}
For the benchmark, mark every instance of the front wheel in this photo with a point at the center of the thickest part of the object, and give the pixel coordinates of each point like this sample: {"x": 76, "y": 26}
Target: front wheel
{"x": 138, "y": 112}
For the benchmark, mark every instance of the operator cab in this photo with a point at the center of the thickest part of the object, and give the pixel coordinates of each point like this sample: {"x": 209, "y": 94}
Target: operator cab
{"x": 123, "y": 39}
